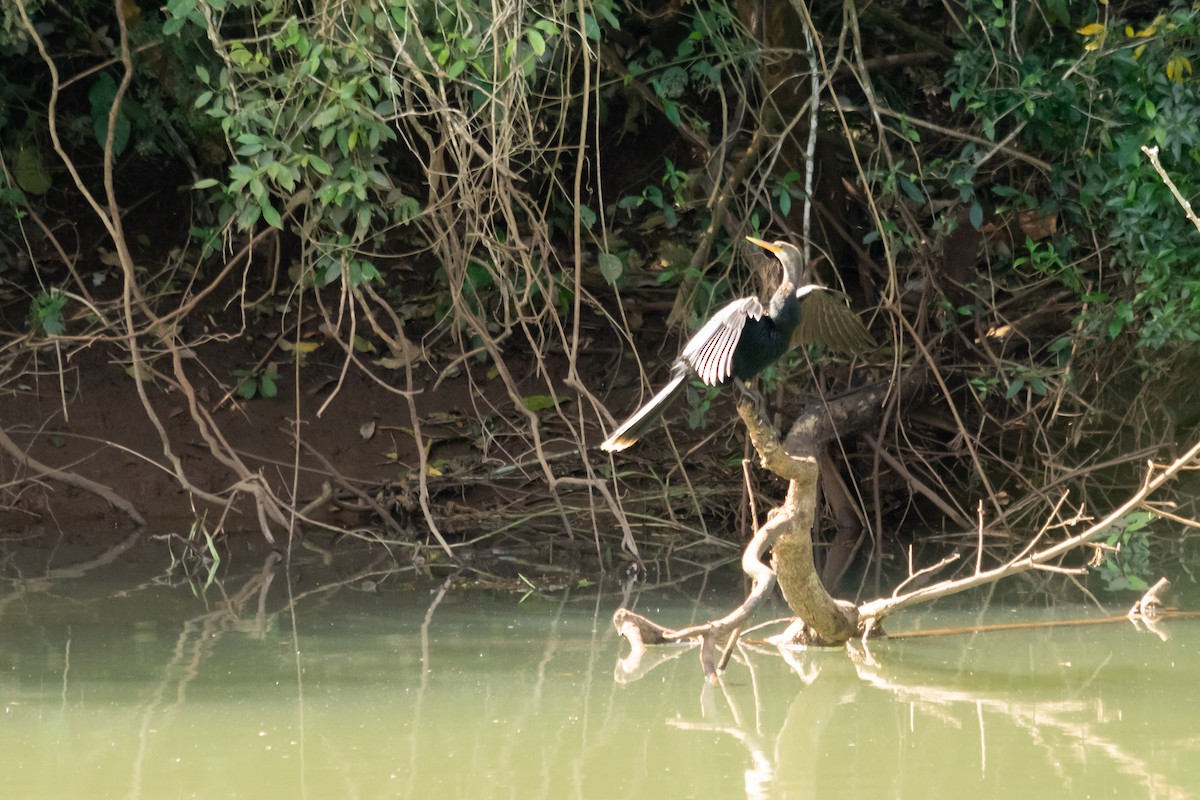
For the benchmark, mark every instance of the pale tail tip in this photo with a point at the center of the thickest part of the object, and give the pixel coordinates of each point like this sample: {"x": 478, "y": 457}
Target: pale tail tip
{"x": 616, "y": 444}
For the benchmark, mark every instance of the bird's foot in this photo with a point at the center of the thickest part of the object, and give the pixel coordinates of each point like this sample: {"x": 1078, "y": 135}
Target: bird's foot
{"x": 751, "y": 396}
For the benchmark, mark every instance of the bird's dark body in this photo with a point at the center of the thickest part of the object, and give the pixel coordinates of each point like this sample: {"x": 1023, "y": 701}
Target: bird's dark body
{"x": 765, "y": 340}
{"x": 742, "y": 339}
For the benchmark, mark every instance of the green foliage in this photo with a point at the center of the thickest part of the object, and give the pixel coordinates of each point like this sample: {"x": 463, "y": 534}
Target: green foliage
{"x": 335, "y": 112}
{"x": 101, "y": 98}
{"x": 1127, "y": 564}
{"x": 669, "y": 202}
{"x": 313, "y": 106}
{"x": 1088, "y": 100}
{"x": 611, "y": 267}
{"x": 30, "y": 171}
{"x": 257, "y": 383}
{"x": 1026, "y": 379}
{"x": 198, "y": 559}
{"x": 700, "y": 400}
{"x": 984, "y": 385}
{"x": 45, "y": 313}
{"x": 299, "y": 111}
{"x": 711, "y": 45}
{"x": 791, "y": 186}
{"x": 330, "y": 123}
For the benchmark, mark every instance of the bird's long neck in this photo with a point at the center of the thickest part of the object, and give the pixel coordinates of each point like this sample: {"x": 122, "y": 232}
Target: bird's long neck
{"x": 779, "y": 305}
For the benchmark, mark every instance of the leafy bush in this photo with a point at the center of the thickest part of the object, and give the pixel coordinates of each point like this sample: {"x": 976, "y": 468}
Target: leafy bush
{"x": 1087, "y": 94}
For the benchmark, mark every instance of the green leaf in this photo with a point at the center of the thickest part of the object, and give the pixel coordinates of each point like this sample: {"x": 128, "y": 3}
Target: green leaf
{"x": 605, "y": 9}
{"x": 327, "y": 116}
{"x": 611, "y": 267}
{"x": 248, "y": 216}
{"x": 320, "y": 165}
{"x": 671, "y": 110}
{"x": 45, "y": 313}
{"x": 247, "y": 389}
{"x": 591, "y": 28}
{"x": 362, "y": 221}
{"x": 587, "y": 217}
{"x": 456, "y": 69}
{"x": 369, "y": 271}
{"x": 1137, "y": 521}
{"x": 407, "y": 209}
{"x": 538, "y": 402}
{"x": 537, "y": 42}
{"x": 910, "y": 189}
{"x": 630, "y": 201}
{"x": 101, "y": 97}
{"x": 30, "y": 171}
{"x": 976, "y": 215}
{"x": 1014, "y": 388}
{"x": 271, "y": 216}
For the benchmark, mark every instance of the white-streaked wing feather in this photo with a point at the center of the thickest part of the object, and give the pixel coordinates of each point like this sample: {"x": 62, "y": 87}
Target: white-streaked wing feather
{"x": 710, "y": 351}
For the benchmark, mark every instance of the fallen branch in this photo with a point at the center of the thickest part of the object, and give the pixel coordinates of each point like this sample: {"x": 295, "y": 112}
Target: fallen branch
{"x": 69, "y": 478}
{"x": 876, "y": 610}
{"x": 640, "y": 631}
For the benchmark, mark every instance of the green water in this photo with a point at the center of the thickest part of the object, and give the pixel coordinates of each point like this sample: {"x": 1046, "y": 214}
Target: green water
{"x": 114, "y": 685}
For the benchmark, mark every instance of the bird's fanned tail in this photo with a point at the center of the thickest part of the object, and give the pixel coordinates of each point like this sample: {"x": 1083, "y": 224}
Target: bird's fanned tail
{"x": 637, "y": 425}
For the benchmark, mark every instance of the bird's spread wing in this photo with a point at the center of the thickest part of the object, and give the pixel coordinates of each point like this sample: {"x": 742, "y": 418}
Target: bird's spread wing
{"x": 826, "y": 319}
{"x": 710, "y": 351}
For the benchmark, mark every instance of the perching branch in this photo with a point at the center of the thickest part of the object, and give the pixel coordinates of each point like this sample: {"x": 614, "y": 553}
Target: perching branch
{"x": 787, "y": 534}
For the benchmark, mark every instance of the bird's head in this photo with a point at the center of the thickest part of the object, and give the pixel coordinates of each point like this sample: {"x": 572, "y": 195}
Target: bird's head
{"x": 790, "y": 257}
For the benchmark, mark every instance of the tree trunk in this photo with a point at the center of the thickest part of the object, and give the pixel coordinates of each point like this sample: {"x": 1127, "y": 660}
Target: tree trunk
{"x": 820, "y": 618}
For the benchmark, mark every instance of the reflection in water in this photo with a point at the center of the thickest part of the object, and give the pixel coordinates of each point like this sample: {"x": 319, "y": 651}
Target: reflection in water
{"x": 1070, "y": 727}
{"x": 312, "y": 683}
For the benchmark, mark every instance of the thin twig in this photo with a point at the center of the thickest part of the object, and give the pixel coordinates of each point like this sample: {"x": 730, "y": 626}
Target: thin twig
{"x": 1152, "y": 153}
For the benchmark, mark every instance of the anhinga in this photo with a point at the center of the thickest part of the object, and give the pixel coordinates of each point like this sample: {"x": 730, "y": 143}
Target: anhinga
{"x": 740, "y": 341}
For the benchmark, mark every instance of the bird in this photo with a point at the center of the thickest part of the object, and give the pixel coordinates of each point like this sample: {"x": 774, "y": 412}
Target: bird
{"x": 742, "y": 338}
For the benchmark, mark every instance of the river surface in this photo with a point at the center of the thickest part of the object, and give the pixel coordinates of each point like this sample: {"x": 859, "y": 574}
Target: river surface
{"x": 116, "y": 682}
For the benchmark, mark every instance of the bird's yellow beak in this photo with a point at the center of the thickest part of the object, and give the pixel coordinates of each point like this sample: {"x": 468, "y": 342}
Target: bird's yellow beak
{"x": 763, "y": 245}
